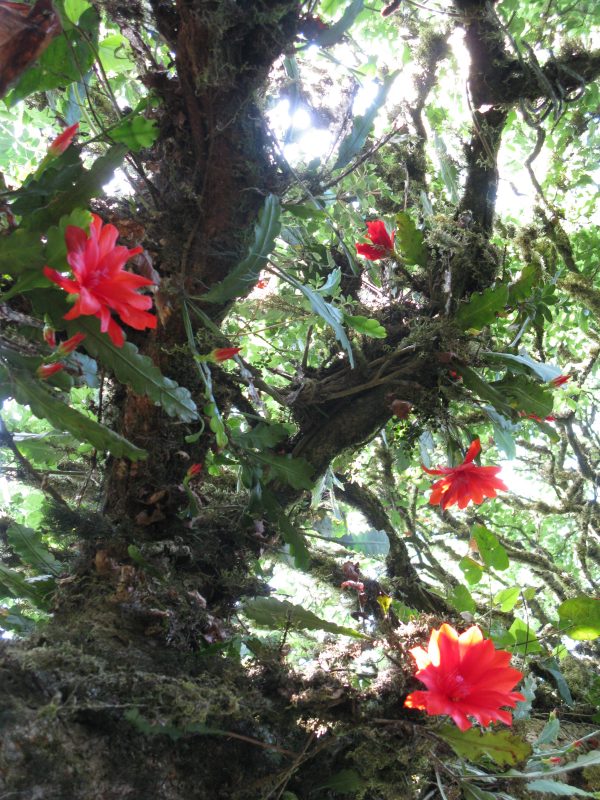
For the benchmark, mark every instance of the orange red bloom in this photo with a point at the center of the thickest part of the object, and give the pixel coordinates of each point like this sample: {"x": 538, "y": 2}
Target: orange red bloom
{"x": 100, "y": 282}
{"x": 382, "y": 243}
{"x": 465, "y": 677}
{"x": 63, "y": 140}
{"x": 465, "y": 483}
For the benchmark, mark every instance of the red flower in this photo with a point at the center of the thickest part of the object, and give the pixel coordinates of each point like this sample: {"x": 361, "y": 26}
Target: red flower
{"x": 466, "y": 677}
{"x": 63, "y": 140}
{"x": 560, "y": 380}
{"x": 44, "y": 371}
{"x": 465, "y": 483}
{"x": 223, "y": 353}
{"x": 101, "y": 282}
{"x": 193, "y": 470}
{"x": 383, "y": 243}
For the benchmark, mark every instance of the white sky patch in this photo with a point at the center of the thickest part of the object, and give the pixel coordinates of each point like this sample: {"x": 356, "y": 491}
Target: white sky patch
{"x": 118, "y": 186}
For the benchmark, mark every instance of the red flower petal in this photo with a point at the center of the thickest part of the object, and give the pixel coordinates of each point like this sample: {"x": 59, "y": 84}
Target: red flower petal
{"x": 63, "y": 140}
{"x": 466, "y": 483}
{"x": 382, "y": 243}
{"x": 465, "y": 677}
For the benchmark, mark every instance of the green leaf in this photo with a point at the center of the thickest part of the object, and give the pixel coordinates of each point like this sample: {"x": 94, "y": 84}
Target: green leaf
{"x": 174, "y": 733}
{"x": 46, "y": 405}
{"x": 344, "y": 781}
{"x": 523, "y": 363}
{"x": 550, "y": 731}
{"x": 88, "y": 185}
{"x": 472, "y": 792}
{"x": 552, "y": 667}
{"x": 21, "y": 251}
{"x": 244, "y": 276}
{"x": 448, "y": 169}
{"x": 334, "y": 33}
{"x": 290, "y": 534}
{"x": 524, "y": 637}
{"x": 508, "y": 598}
{"x": 369, "y": 327}
{"x": 136, "y": 370}
{"x": 485, "y": 391}
{"x": 490, "y": 549}
{"x": 409, "y": 240}
{"x": 135, "y": 131}
{"x": 525, "y": 394}
{"x": 460, "y": 597}
{"x": 66, "y": 60}
{"x": 521, "y": 289}
{"x": 503, "y": 747}
{"x": 472, "y": 571}
{"x": 332, "y": 283}
{"x": 56, "y": 246}
{"x": 295, "y": 471}
{"x": 263, "y": 435}
{"x": 28, "y": 544}
{"x": 503, "y": 432}
{"x": 280, "y": 614}
{"x": 481, "y": 308}
{"x": 37, "y": 592}
{"x": 579, "y": 618}
{"x": 353, "y": 143}
{"x": 557, "y": 788}
{"x": 304, "y": 212}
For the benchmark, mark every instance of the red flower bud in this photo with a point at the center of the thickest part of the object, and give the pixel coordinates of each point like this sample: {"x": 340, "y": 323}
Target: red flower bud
{"x": 223, "y": 353}
{"x": 193, "y": 470}
{"x": 560, "y": 380}
{"x": 63, "y": 140}
{"x": 44, "y": 371}
{"x": 49, "y": 336}
{"x": 71, "y": 344}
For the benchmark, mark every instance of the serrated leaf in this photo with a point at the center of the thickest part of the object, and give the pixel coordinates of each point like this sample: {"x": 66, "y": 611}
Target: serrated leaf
{"x": 21, "y": 251}
{"x": 460, "y": 598}
{"x": 587, "y": 759}
{"x": 481, "y": 308}
{"x": 135, "y": 131}
{"x": 527, "y": 689}
{"x": 332, "y": 283}
{"x": 490, "y": 549}
{"x": 295, "y": 471}
{"x": 579, "y": 618}
{"x": 15, "y": 584}
{"x": 485, "y": 390}
{"x": 409, "y": 240}
{"x": 508, "y": 598}
{"x": 262, "y": 436}
{"x": 525, "y": 394}
{"x": 524, "y": 364}
{"x": 88, "y": 185}
{"x": 521, "y": 288}
{"x": 241, "y": 279}
{"x": 558, "y": 789}
{"x": 135, "y": 370}
{"x": 472, "y": 571}
{"x": 366, "y": 326}
{"x": 56, "y": 246}
{"x": 353, "y": 143}
{"x": 46, "y": 405}
{"x": 279, "y": 614}
{"x": 503, "y": 747}
{"x": 28, "y": 544}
